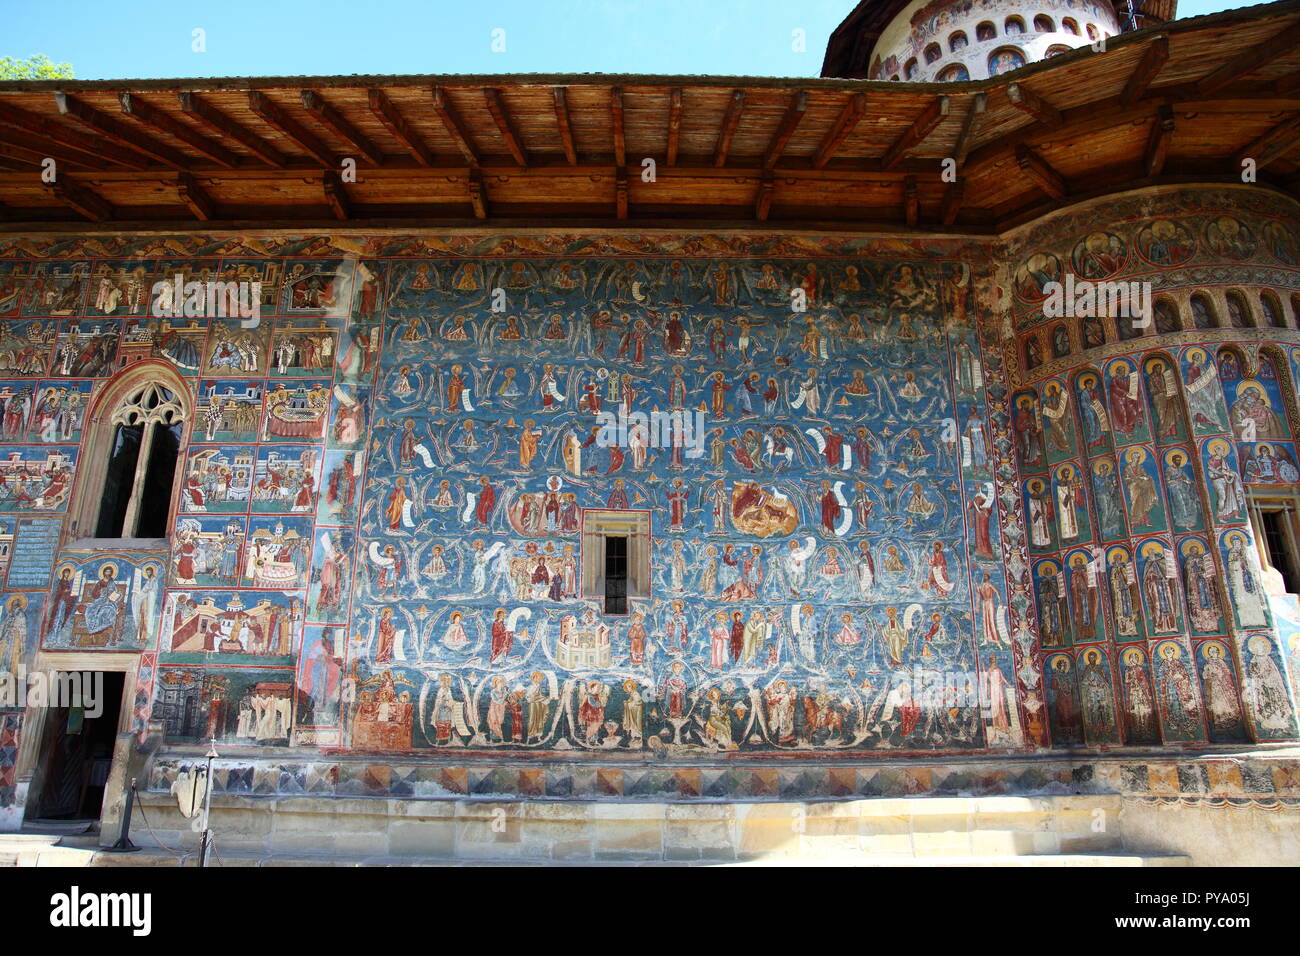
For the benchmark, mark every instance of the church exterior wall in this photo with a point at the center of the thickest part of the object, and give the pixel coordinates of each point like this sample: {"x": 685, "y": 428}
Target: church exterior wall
{"x": 377, "y": 549}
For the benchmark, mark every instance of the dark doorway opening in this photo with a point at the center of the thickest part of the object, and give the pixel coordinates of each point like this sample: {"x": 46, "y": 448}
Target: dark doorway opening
{"x": 615, "y": 575}
{"x": 78, "y": 750}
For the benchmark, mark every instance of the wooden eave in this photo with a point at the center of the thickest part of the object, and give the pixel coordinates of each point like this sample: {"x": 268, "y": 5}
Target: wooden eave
{"x": 496, "y": 151}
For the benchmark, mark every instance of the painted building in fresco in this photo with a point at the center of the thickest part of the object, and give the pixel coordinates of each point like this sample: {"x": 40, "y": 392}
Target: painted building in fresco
{"x": 912, "y": 514}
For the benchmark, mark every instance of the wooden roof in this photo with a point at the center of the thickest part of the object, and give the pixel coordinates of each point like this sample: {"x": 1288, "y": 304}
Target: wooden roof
{"x": 1181, "y": 102}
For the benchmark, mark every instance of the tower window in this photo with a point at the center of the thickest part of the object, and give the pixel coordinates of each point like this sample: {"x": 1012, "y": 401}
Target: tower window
{"x": 932, "y": 53}
{"x": 1013, "y": 26}
{"x": 985, "y": 31}
{"x": 1043, "y": 24}
{"x": 1070, "y": 26}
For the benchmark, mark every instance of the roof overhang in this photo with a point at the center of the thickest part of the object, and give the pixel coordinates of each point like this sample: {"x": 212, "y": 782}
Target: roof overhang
{"x": 1184, "y": 102}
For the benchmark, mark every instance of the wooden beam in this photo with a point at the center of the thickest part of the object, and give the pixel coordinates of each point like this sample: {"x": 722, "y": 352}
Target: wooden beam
{"x": 952, "y": 199}
{"x": 477, "y": 194}
{"x": 198, "y": 201}
{"x": 455, "y": 127}
{"x": 497, "y": 107}
{"x": 849, "y": 117}
{"x": 1148, "y": 68}
{"x": 37, "y": 148}
{"x": 620, "y": 192}
{"x": 970, "y": 127}
{"x": 911, "y": 201}
{"x": 1033, "y": 165}
{"x": 1158, "y": 143}
{"x": 216, "y": 120}
{"x": 117, "y": 131}
{"x": 789, "y": 123}
{"x": 674, "y": 124}
{"x": 68, "y": 138}
{"x": 616, "y": 119}
{"x": 763, "y": 201}
{"x": 275, "y": 116}
{"x": 153, "y": 117}
{"x": 730, "y": 120}
{"x": 1280, "y": 44}
{"x": 562, "y": 121}
{"x": 326, "y": 114}
{"x": 81, "y": 199}
{"x": 397, "y": 126}
{"x": 1033, "y": 105}
{"x": 921, "y": 127}
{"x": 336, "y": 196}
{"x": 1274, "y": 144}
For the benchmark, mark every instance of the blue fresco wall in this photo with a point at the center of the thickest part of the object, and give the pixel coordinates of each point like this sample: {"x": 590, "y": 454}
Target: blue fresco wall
{"x": 919, "y": 518}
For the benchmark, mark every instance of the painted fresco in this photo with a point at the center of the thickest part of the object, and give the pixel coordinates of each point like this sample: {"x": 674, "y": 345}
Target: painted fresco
{"x": 105, "y": 602}
{"x": 880, "y": 536}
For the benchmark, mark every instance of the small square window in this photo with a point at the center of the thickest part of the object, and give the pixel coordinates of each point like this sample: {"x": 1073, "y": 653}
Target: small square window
{"x": 615, "y": 558}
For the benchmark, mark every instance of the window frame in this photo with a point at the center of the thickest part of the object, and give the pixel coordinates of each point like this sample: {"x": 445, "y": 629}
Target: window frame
{"x": 98, "y": 433}
{"x": 1261, "y": 501}
{"x": 635, "y": 525}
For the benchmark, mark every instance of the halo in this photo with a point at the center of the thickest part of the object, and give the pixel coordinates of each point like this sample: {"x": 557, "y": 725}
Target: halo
{"x": 1259, "y": 644}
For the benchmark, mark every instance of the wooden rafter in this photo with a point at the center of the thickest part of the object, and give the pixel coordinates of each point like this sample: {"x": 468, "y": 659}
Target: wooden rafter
{"x": 1158, "y": 142}
{"x": 763, "y": 201}
{"x": 336, "y": 195}
{"x": 37, "y": 148}
{"x": 151, "y": 116}
{"x": 193, "y": 105}
{"x": 501, "y": 116}
{"x": 275, "y": 116}
{"x": 674, "y": 124}
{"x": 397, "y": 126}
{"x": 1150, "y": 64}
{"x": 1031, "y": 104}
{"x": 616, "y": 124}
{"x": 33, "y": 127}
{"x": 193, "y": 196}
{"x": 952, "y": 200}
{"x": 911, "y": 201}
{"x": 1037, "y": 169}
{"x": 117, "y": 131}
{"x": 970, "y": 127}
{"x": 620, "y": 193}
{"x": 1274, "y": 144}
{"x": 455, "y": 125}
{"x": 477, "y": 193}
{"x": 82, "y": 200}
{"x": 844, "y": 124}
{"x": 789, "y": 123}
{"x": 921, "y": 127}
{"x": 565, "y": 127}
{"x": 330, "y": 117}
{"x": 730, "y": 120}
{"x": 1250, "y": 60}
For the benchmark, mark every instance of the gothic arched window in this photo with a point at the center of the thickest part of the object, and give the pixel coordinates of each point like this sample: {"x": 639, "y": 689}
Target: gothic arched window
{"x": 141, "y": 466}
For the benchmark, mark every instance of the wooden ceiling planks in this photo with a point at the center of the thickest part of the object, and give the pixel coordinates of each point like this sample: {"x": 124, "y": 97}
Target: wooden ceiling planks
{"x": 777, "y": 151}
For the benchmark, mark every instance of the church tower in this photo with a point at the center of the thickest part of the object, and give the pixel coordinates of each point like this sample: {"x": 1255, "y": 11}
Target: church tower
{"x": 927, "y": 41}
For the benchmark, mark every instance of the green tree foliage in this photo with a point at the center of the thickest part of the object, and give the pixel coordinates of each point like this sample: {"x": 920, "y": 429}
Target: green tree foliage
{"x": 37, "y": 67}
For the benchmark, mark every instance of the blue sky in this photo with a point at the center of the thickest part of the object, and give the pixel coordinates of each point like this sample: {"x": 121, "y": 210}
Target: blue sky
{"x": 152, "y": 38}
